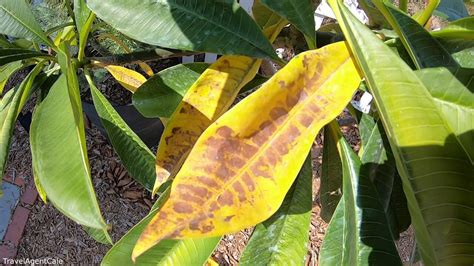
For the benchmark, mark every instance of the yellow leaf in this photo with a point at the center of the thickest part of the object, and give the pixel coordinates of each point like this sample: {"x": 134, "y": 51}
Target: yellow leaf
{"x": 205, "y": 101}
{"x": 128, "y": 78}
{"x": 242, "y": 166}
{"x": 209, "y": 97}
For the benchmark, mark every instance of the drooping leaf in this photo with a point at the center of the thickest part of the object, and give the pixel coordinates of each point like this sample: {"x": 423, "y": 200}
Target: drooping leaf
{"x": 134, "y": 154}
{"x": 208, "y": 98}
{"x": 161, "y": 94}
{"x": 240, "y": 169}
{"x": 10, "y": 107}
{"x": 9, "y": 55}
{"x": 459, "y": 29}
{"x": 59, "y": 158}
{"x": 282, "y": 239}
{"x": 331, "y": 178}
{"x": 129, "y": 79}
{"x": 366, "y": 237}
{"x": 167, "y": 252}
{"x": 429, "y": 158}
{"x": 424, "y": 49}
{"x": 300, "y": 13}
{"x": 221, "y": 27}
{"x": 455, "y": 102}
{"x": 6, "y": 71}
{"x": 17, "y": 20}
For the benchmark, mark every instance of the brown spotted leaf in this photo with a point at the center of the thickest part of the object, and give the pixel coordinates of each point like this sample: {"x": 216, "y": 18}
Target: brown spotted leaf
{"x": 208, "y": 98}
{"x": 242, "y": 166}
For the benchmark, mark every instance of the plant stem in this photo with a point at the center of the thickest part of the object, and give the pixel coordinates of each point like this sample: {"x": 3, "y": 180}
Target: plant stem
{"x": 403, "y": 5}
{"x": 121, "y": 59}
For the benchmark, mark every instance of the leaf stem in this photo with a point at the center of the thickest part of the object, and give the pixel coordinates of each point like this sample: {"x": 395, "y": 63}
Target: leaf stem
{"x": 121, "y": 59}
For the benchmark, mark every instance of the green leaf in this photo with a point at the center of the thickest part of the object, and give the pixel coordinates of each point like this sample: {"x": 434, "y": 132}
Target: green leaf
{"x": 84, "y": 19}
{"x": 424, "y": 49}
{"x": 283, "y": 238}
{"x": 378, "y": 164}
{"x": 300, "y": 13}
{"x": 160, "y": 95}
{"x": 217, "y": 26}
{"x": 167, "y": 252}
{"x": 134, "y": 154}
{"x": 9, "y": 55}
{"x": 455, "y": 102}
{"x": 99, "y": 235}
{"x": 6, "y": 71}
{"x": 60, "y": 160}
{"x": 10, "y": 107}
{"x": 330, "y": 191}
{"x": 17, "y": 20}
{"x": 264, "y": 17}
{"x": 366, "y": 235}
{"x": 429, "y": 158}
{"x": 461, "y": 50}
{"x": 332, "y": 249}
{"x": 459, "y": 29}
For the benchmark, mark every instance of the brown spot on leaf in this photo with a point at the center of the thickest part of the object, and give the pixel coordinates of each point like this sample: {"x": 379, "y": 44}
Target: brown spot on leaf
{"x": 182, "y": 207}
{"x": 191, "y": 198}
{"x": 248, "y": 182}
{"x": 224, "y": 131}
{"x": 175, "y": 130}
{"x": 240, "y": 191}
{"x": 306, "y": 120}
{"x": 207, "y": 228}
{"x": 208, "y": 182}
{"x": 213, "y": 207}
{"x": 314, "y": 107}
{"x": 226, "y": 198}
{"x": 228, "y": 218}
{"x": 277, "y": 112}
{"x": 291, "y": 100}
{"x": 247, "y": 150}
{"x": 197, "y": 191}
{"x": 223, "y": 172}
{"x": 282, "y": 84}
{"x": 260, "y": 169}
{"x": 282, "y": 148}
{"x": 293, "y": 133}
{"x": 237, "y": 162}
{"x": 272, "y": 157}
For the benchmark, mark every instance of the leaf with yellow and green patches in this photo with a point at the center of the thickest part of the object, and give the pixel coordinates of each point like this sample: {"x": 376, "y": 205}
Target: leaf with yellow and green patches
{"x": 208, "y": 98}
{"x": 242, "y": 166}
{"x": 128, "y": 78}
